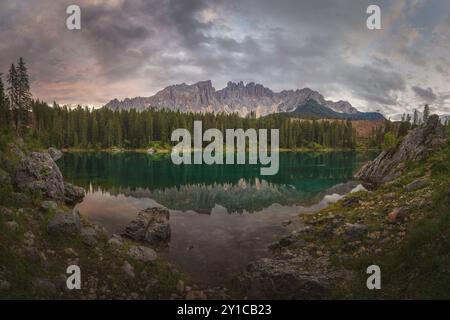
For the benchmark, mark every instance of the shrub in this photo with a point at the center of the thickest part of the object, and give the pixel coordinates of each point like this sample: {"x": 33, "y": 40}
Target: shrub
{"x": 389, "y": 141}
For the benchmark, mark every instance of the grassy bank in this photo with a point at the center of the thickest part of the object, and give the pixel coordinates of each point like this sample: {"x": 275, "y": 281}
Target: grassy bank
{"x": 405, "y": 231}
{"x": 33, "y": 262}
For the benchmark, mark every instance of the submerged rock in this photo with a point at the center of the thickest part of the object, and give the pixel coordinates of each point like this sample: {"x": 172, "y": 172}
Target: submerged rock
{"x": 151, "y": 226}
{"x": 287, "y": 240}
{"x": 416, "y": 146}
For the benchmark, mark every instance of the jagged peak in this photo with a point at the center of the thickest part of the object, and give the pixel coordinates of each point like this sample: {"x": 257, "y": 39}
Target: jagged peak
{"x": 236, "y": 96}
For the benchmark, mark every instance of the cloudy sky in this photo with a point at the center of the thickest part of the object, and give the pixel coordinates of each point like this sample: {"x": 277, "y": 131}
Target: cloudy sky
{"x": 137, "y": 47}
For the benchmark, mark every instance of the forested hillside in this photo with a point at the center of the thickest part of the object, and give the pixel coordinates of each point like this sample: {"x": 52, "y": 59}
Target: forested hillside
{"x": 87, "y": 128}
{"x": 103, "y": 128}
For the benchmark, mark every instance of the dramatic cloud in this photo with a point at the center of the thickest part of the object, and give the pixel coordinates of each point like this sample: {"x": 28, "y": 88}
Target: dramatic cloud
{"x": 426, "y": 94}
{"x": 135, "y": 48}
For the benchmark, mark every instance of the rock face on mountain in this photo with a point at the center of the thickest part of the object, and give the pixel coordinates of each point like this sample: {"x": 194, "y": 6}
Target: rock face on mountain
{"x": 416, "y": 146}
{"x": 235, "y": 97}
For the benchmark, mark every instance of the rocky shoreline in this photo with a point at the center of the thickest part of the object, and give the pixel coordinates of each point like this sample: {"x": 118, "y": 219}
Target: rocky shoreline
{"x": 44, "y": 235}
{"x": 327, "y": 256}
{"x": 323, "y": 257}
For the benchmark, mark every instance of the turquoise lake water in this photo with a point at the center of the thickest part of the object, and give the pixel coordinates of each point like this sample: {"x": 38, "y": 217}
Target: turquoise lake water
{"x": 222, "y": 216}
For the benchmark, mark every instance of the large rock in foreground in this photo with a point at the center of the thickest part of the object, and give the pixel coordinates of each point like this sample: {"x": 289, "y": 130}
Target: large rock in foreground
{"x": 38, "y": 172}
{"x": 416, "y": 146}
{"x": 151, "y": 226}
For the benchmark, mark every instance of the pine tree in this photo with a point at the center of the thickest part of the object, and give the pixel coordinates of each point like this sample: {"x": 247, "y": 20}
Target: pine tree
{"x": 416, "y": 118}
{"x": 4, "y": 106}
{"x": 83, "y": 127}
{"x": 408, "y": 118}
{"x": 426, "y": 113}
{"x": 13, "y": 94}
{"x": 23, "y": 91}
{"x": 94, "y": 135}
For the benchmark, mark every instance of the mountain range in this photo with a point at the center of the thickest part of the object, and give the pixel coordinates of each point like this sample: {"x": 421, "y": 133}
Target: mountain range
{"x": 244, "y": 99}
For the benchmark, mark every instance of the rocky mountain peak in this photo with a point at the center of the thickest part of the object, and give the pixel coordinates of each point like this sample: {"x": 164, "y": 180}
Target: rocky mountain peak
{"x": 235, "y": 97}
{"x": 235, "y": 90}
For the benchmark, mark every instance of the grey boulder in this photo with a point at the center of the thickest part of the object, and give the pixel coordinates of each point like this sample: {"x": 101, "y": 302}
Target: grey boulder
{"x": 416, "y": 185}
{"x": 72, "y": 193}
{"x": 37, "y": 172}
{"x": 65, "y": 224}
{"x": 89, "y": 236}
{"x": 150, "y": 226}
{"x": 143, "y": 254}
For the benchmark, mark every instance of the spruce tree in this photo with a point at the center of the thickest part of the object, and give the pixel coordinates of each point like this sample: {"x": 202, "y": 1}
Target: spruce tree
{"x": 4, "y": 106}
{"x": 416, "y": 118}
{"x": 426, "y": 113}
{"x": 13, "y": 95}
{"x": 23, "y": 92}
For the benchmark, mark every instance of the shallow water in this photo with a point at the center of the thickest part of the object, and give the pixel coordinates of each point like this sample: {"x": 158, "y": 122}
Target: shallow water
{"x": 222, "y": 216}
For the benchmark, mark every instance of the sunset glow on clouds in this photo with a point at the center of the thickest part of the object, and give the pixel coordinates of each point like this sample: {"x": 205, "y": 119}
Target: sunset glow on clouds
{"x": 135, "y": 48}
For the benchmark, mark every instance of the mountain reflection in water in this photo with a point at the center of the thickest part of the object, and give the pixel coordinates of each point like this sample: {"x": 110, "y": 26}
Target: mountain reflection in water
{"x": 222, "y": 216}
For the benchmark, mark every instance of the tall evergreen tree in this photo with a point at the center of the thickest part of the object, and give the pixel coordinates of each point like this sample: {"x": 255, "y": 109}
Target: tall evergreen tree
{"x": 4, "y": 106}
{"x": 408, "y": 118}
{"x": 415, "y": 118}
{"x": 13, "y": 94}
{"x": 23, "y": 93}
{"x": 426, "y": 113}
{"x": 82, "y": 127}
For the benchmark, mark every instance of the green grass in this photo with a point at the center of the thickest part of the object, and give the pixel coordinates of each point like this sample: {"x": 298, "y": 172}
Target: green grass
{"x": 419, "y": 268}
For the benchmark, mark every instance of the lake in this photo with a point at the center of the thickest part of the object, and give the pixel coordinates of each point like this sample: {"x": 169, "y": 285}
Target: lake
{"x": 222, "y": 216}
